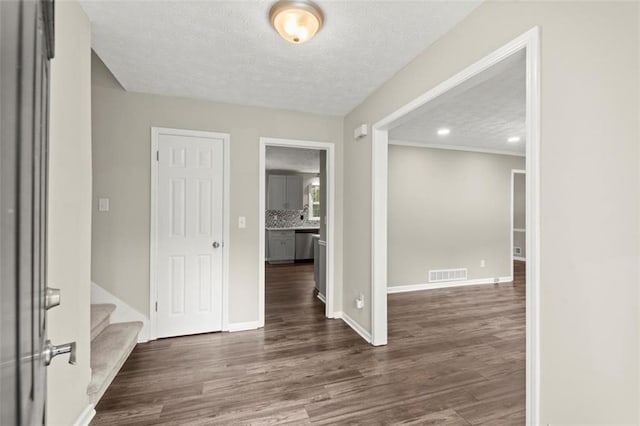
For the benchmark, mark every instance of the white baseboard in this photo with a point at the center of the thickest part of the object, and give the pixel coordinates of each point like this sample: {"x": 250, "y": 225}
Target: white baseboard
{"x": 322, "y": 298}
{"x": 354, "y": 325}
{"x": 431, "y": 286}
{"x": 243, "y": 326}
{"x": 522, "y": 259}
{"x": 85, "y": 417}
{"x": 123, "y": 312}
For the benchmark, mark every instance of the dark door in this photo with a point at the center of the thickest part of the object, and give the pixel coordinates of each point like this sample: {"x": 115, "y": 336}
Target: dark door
{"x": 26, "y": 46}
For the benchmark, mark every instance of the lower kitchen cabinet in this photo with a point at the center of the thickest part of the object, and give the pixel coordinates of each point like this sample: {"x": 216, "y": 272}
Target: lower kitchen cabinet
{"x": 282, "y": 246}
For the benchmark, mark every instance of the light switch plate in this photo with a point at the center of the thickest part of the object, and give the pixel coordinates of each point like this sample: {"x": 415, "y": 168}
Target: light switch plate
{"x": 242, "y": 222}
{"x": 103, "y": 204}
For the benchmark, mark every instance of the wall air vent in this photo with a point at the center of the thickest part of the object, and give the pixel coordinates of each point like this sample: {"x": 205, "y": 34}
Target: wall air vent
{"x": 441, "y": 275}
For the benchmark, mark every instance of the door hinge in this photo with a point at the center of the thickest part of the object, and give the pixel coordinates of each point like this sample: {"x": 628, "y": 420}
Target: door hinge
{"x": 157, "y": 155}
{"x": 156, "y": 306}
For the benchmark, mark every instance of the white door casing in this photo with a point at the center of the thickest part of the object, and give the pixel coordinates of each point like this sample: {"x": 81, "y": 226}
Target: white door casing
{"x": 189, "y": 233}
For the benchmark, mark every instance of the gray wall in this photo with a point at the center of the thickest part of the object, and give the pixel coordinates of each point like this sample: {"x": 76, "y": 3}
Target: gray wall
{"x": 69, "y": 214}
{"x": 448, "y": 209}
{"x": 589, "y": 322}
{"x": 121, "y": 161}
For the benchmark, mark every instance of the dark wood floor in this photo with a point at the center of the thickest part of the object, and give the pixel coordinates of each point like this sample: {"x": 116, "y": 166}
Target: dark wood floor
{"x": 455, "y": 357}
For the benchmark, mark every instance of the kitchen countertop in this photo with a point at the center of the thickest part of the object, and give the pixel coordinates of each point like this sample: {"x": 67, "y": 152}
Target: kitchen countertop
{"x": 295, "y": 228}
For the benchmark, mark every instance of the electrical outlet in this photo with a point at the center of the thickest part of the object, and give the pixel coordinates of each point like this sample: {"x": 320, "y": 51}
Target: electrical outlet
{"x": 360, "y": 301}
{"x": 482, "y": 263}
{"x": 103, "y": 204}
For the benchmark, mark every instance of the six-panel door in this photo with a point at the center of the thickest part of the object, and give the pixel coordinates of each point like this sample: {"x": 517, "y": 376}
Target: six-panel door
{"x": 190, "y": 225}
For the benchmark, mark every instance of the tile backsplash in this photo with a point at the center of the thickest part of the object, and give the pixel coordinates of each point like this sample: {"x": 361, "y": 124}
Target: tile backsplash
{"x": 289, "y": 218}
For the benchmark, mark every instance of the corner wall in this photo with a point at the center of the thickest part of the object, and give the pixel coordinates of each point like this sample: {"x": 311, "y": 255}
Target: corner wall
{"x": 69, "y": 214}
{"x": 590, "y": 187}
{"x": 448, "y": 209}
{"x": 122, "y": 124}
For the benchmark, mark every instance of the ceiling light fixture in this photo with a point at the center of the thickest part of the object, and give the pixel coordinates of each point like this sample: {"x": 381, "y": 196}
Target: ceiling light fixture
{"x": 514, "y": 139}
{"x": 444, "y": 132}
{"x": 296, "y": 21}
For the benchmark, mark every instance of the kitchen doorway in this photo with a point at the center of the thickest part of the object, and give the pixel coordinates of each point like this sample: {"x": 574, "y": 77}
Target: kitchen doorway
{"x": 296, "y": 217}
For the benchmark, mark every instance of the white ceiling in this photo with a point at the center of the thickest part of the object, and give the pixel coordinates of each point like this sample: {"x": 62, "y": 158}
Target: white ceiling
{"x": 482, "y": 113}
{"x": 297, "y": 160}
{"x": 226, "y": 51}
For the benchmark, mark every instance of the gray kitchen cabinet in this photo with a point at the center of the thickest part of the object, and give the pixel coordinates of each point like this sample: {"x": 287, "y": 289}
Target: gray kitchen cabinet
{"x": 284, "y": 192}
{"x": 282, "y": 246}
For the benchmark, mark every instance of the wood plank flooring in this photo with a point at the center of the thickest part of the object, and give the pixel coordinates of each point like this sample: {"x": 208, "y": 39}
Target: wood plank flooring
{"x": 455, "y": 357}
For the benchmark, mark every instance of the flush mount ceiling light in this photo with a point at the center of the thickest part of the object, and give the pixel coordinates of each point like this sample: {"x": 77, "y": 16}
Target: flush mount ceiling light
{"x": 514, "y": 139}
{"x": 296, "y": 21}
{"x": 444, "y": 131}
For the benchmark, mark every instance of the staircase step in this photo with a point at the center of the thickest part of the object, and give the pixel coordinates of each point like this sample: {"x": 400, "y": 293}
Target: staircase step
{"x": 100, "y": 314}
{"x": 109, "y": 351}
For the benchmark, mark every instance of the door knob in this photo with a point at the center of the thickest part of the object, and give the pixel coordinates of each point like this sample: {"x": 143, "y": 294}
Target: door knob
{"x": 216, "y": 244}
{"x": 52, "y": 297}
{"x": 51, "y": 351}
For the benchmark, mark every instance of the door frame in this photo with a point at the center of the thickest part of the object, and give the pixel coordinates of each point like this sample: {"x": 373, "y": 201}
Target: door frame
{"x": 514, "y": 172}
{"x": 330, "y": 211}
{"x": 530, "y": 42}
{"x": 153, "y": 221}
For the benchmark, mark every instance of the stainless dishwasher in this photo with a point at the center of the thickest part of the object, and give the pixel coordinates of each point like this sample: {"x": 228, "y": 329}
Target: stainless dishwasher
{"x": 304, "y": 243}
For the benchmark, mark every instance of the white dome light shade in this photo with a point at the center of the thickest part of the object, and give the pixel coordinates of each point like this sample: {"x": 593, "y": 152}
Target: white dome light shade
{"x": 296, "y": 21}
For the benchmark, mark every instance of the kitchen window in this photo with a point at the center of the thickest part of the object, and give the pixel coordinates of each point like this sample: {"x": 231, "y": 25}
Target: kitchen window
{"x": 314, "y": 202}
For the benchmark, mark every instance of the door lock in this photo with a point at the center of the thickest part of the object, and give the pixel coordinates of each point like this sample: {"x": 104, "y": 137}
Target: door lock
{"x": 216, "y": 244}
{"x": 51, "y": 351}
{"x": 52, "y": 297}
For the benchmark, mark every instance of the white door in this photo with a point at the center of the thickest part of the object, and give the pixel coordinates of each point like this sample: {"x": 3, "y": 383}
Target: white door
{"x": 190, "y": 226}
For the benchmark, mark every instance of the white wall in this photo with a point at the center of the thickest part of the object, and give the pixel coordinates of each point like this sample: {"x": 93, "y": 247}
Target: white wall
{"x": 589, "y": 192}
{"x": 448, "y": 209}
{"x": 69, "y": 215}
{"x": 121, "y": 161}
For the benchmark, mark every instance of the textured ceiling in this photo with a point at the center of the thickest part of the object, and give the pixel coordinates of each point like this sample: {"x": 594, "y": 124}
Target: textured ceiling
{"x": 297, "y": 160}
{"x": 482, "y": 113}
{"x": 226, "y": 51}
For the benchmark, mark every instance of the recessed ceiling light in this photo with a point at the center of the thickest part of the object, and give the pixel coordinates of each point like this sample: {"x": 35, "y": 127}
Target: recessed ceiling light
{"x": 444, "y": 131}
{"x": 296, "y": 21}
{"x": 514, "y": 139}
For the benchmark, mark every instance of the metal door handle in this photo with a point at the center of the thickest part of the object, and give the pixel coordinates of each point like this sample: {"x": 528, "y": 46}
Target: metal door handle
{"x": 216, "y": 244}
{"x": 51, "y": 351}
{"x": 52, "y": 298}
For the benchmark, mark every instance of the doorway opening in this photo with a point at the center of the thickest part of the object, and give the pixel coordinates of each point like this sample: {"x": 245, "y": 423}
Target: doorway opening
{"x": 296, "y": 222}
{"x": 528, "y": 46}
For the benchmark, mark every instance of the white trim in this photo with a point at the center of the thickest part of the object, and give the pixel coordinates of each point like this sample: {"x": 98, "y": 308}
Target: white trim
{"x": 330, "y": 213}
{"x": 520, "y": 258}
{"x": 354, "y": 325}
{"x": 123, "y": 312}
{"x": 153, "y": 225}
{"x": 379, "y": 163}
{"x": 379, "y": 188}
{"x": 322, "y": 298}
{"x": 519, "y": 230}
{"x": 432, "y": 286}
{"x": 86, "y": 416}
{"x": 454, "y": 148}
{"x": 243, "y": 326}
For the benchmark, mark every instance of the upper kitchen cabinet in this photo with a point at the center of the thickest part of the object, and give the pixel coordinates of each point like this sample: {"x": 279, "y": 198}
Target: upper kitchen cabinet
{"x": 284, "y": 192}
